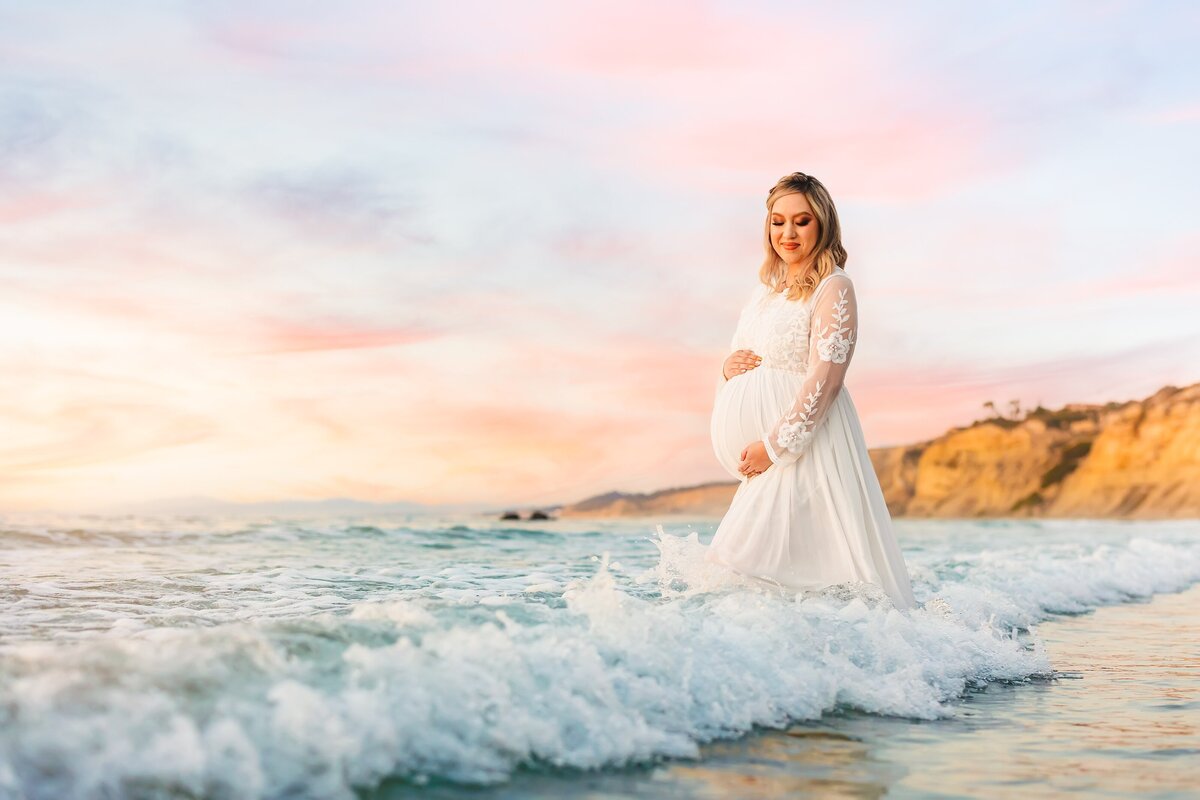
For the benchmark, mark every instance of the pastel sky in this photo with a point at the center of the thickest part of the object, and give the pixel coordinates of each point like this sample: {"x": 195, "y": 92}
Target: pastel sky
{"x": 481, "y": 252}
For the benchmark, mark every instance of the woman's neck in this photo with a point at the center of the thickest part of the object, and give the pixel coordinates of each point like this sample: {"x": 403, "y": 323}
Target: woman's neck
{"x": 795, "y": 274}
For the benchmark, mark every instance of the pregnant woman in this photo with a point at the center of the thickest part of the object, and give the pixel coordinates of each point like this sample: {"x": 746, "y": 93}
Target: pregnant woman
{"x": 809, "y": 511}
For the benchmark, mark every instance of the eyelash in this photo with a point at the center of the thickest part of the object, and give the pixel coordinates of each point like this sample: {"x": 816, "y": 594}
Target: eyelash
{"x": 802, "y": 224}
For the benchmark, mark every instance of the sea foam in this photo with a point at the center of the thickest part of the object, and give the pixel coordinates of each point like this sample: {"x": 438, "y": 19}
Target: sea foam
{"x": 614, "y": 670}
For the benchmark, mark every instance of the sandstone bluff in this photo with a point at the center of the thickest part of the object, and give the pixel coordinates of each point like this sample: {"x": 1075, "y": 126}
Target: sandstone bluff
{"x": 1138, "y": 459}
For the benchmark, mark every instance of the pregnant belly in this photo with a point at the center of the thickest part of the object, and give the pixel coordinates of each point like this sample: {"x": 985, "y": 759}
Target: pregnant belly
{"x": 747, "y": 407}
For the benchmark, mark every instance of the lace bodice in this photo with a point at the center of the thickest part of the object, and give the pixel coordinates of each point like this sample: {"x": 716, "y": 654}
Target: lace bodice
{"x": 815, "y": 338}
{"x": 776, "y": 329}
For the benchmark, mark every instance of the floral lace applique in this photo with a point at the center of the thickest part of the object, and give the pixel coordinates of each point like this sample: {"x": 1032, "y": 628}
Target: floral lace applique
{"x": 831, "y": 346}
{"x": 795, "y": 433}
{"x": 829, "y": 350}
{"x": 836, "y": 345}
{"x": 786, "y": 338}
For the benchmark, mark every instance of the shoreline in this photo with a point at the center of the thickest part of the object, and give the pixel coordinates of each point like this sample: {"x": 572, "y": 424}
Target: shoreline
{"x": 1118, "y": 718}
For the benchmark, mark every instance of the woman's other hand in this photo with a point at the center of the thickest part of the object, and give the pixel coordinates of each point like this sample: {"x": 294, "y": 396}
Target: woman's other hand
{"x": 754, "y": 459}
{"x": 740, "y": 361}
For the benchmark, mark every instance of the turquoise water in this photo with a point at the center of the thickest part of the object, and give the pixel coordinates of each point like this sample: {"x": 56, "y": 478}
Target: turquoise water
{"x": 436, "y": 657}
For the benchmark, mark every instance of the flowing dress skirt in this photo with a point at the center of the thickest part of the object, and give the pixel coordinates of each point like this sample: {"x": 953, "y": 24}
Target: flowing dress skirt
{"x": 818, "y": 521}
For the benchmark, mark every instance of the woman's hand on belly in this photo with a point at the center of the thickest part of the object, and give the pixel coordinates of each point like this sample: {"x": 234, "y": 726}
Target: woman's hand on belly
{"x": 740, "y": 361}
{"x": 754, "y": 459}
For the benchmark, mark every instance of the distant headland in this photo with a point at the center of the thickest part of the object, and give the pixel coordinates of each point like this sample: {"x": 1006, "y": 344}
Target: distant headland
{"x": 1139, "y": 459}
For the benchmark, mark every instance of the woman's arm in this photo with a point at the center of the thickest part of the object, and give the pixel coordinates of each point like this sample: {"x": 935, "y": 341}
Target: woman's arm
{"x": 833, "y": 334}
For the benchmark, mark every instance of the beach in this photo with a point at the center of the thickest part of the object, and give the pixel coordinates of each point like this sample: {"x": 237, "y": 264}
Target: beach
{"x": 464, "y": 657}
{"x": 1118, "y": 719}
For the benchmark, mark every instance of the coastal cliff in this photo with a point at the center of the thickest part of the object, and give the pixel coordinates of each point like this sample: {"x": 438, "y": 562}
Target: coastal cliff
{"x": 1138, "y": 459}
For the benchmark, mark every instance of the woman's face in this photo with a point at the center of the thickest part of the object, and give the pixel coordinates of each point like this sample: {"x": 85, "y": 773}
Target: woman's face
{"x": 794, "y": 229}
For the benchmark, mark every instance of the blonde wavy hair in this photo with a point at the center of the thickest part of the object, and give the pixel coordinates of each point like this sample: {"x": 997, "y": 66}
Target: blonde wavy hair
{"x": 829, "y": 251}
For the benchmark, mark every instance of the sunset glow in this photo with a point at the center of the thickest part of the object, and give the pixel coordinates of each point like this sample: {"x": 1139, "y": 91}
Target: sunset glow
{"x": 479, "y": 253}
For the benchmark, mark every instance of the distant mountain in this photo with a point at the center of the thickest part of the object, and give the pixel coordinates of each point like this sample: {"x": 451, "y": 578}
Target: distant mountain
{"x": 708, "y": 499}
{"x": 1137, "y": 459}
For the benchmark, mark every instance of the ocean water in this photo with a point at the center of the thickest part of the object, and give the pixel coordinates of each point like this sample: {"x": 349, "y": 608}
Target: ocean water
{"x": 460, "y": 656}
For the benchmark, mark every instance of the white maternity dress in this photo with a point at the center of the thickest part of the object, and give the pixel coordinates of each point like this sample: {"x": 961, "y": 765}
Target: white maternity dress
{"x": 816, "y": 516}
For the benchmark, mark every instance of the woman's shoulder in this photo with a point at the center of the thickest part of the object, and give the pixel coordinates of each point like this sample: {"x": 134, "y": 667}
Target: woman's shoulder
{"x": 836, "y": 279}
{"x": 838, "y": 274}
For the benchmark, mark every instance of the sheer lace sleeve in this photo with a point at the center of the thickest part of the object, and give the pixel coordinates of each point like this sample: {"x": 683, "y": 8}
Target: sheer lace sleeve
{"x": 832, "y": 335}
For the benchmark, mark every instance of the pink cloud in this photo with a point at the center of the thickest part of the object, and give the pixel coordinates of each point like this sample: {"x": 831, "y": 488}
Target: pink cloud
{"x": 258, "y": 40}
{"x": 708, "y": 97}
{"x": 711, "y": 100}
{"x": 1180, "y": 113}
{"x": 634, "y": 40}
{"x": 982, "y": 277}
{"x": 1173, "y": 273}
{"x": 868, "y": 159}
{"x": 909, "y": 403}
{"x": 83, "y": 433}
{"x": 285, "y": 336}
{"x": 36, "y": 205}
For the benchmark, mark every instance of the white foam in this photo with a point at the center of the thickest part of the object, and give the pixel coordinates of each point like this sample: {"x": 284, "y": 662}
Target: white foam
{"x": 402, "y": 612}
{"x": 1018, "y": 586}
{"x": 620, "y": 670}
{"x": 616, "y": 679}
